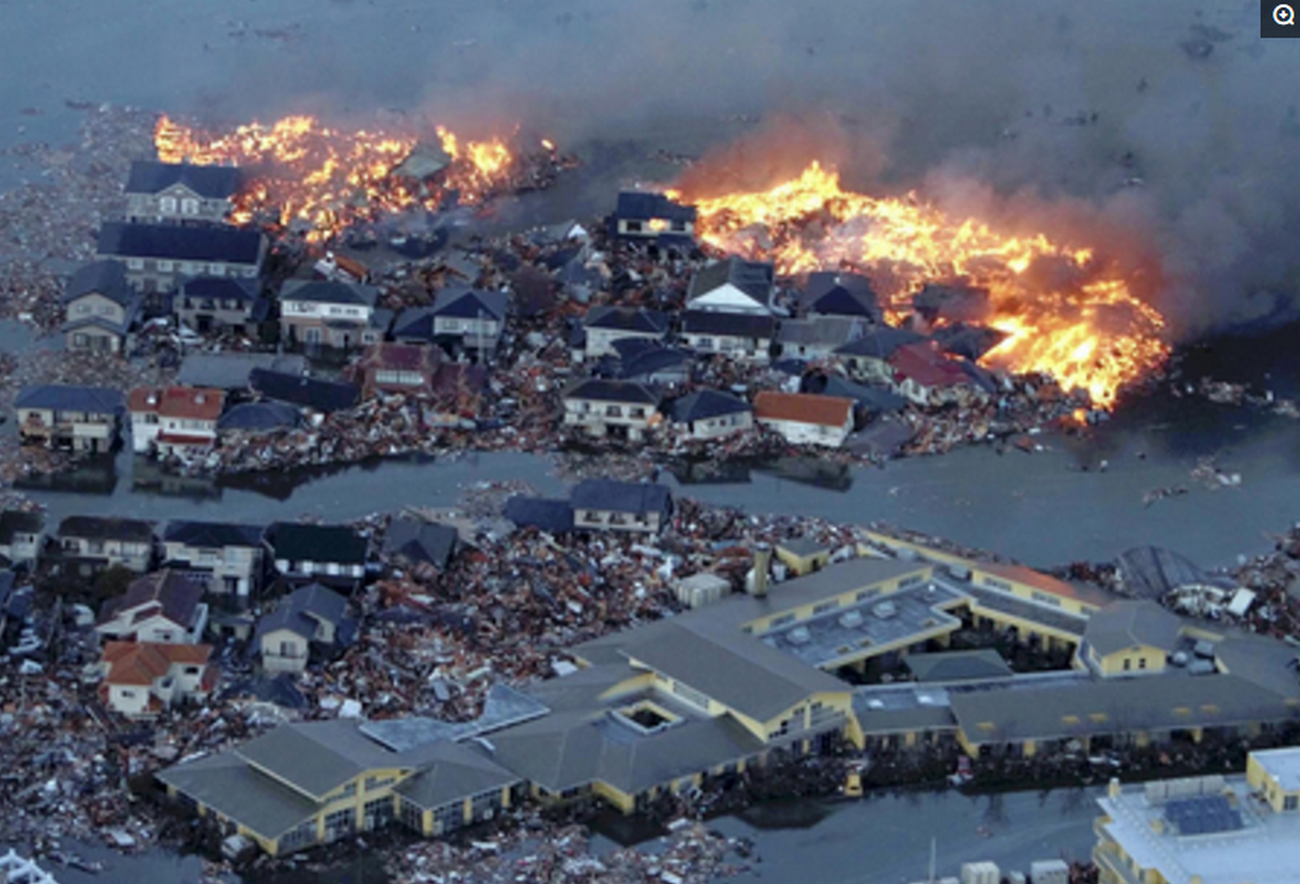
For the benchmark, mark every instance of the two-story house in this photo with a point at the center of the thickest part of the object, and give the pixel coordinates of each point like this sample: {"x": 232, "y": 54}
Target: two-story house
{"x": 209, "y": 303}
{"x": 99, "y": 308}
{"x": 90, "y": 544}
{"x": 867, "y": 357}
{"x": 164, "y": 606}
{"x": 925, "y": 375}
{"x": 159, "y": 256}
{"x": 734, "y": 285}
{"x": 830, "y": 293}
{"x": 743, "y": 336}
{"x": 607, "y": 505}
{"x": 142, "y": 680}
{"x": 605, "y": 324}
{"x": 68, "y": 418}
{"x": 310, "y": 617}
{"x": 652, "y": 217}
{"x": 223, "y": 557}
{"x": 469, "y": 319}
{"x": 180, "y": 193}
{"x": 328, "y": 313}
{"x": 817, "y": 337}
{"x": 333, "y": 554}
{"x": 174, "y": 420}
{"x": 21, "y": 534}
{"x": 805, "y": 418}
{"x": 622, "y": 409}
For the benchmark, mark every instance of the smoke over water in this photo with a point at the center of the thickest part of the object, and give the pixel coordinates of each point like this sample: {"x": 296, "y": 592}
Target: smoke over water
{"x": 983, "y": 106}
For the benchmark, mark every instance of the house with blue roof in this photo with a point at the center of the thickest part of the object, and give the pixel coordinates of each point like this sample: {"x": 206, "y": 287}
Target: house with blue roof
{"x": 652, "y": 217}
{"x": 69, "y": 418}
{"x": 469, "y": 319}
{"x": 100, "y": 308}
{"x": 180, "y": 193}
{"x": 159, "y": 256}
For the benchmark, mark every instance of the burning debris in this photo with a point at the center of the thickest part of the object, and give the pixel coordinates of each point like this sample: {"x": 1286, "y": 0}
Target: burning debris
{"x": 301, "y": 173}
{"x": 1091, "y": 333}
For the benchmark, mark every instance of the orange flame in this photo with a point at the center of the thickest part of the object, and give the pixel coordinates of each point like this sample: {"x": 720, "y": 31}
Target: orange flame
{"x": 1094, "y": 335}
{"x": 325, "y": 178}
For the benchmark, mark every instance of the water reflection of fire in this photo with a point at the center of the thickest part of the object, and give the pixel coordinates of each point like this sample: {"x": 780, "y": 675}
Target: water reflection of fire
{"x": 300, "y": 171}
{"x": 1087, "y": 329}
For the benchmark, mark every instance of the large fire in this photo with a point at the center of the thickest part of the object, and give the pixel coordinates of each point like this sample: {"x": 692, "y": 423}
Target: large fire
{"x": 300, "y": 171}
{"x": 1088, "y": 330}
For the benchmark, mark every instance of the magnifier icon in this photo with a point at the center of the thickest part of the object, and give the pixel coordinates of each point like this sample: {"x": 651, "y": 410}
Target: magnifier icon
{"x": 1284, "y": 15}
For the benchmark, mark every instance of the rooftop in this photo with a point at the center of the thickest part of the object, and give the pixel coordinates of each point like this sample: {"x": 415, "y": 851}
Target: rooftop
{"x": 212, "y": 182}
{"x": 107, "y": 278}
{"x": 179, "y": 402}
{"x": 1283, "y": 765}
{"x": 643, "y": 205}
{"x": 755, "y": 278}
{"x": 1265, "y": 848}
{"x": 320, "y": 291}
{"x": 62, "y": 397}
{"x": 808, "y": 408}
{"x": 168, "y": 241}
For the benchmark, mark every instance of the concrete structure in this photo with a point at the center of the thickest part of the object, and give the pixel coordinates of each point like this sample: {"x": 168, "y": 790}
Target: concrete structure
{"x": 143, "y": 679}
{"x": 317, "y": 313}
{"x": 653, "y": 217}
{"x": 210, "y": 303}
{"x": 805, "y": 418}
{"x": 1203, "y": 830}
{"x": 224, "y": 558}
{"x": 710, "y": 414}
{"x": 174, "y": 420}
{"x": 701, "y": 589}
{"x": 180, "y": 193}
{"x": 21, "y": 536}
{"x": 604, "y": 325}
{"x": 311, "y": 616}
{"x": 163, "y": 607}
{"x": 100, "y": 309}
{"x": 604, "y": 504}
{"x": 158, "y": 257}
{"x": 328, "y": 553}
{"x": 88, "y": 544}
{"x": 66, "y": 418}
{"x": 621, "y": 409}
{"x": 733, "y": 285}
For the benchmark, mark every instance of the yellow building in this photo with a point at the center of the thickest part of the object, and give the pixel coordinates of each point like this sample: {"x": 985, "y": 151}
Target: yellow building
{"x": 1201, "y": 830}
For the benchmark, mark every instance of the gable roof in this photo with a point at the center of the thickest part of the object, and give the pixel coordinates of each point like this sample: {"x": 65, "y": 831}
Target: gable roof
{"x": 1124, "y": 624}
{"x": 319, "y": 756}
{"x": 870, "y": 398}
{"x": 61, "y": 397}
{"x": 299, "y": 611}
{"x": 107, "y": 278}
{"x": 421, "y": 541}
{"x": 107, "y": 528}
{"x": 704, "y": 404}
{"x": 757, "y": 279}
{"x": 652, "y": 360}
{"x": 323, "y": 291}
{"x": 457, "y": 771}
{"x": 925, "y": 364}
{"x": 630, "y": 319}
{"x": 843, "y": 294}
{"x": 211, "y": 182}
{"x": 739, "y": 325}
{"x": 324, "y": 396}
{"x": 471, "y": 304}
{"x": 212, "y": 534}
{"x": 172, "y": 242}
{"x": 879, "y": 342}
{"x": 625, "y": 497}
{"x": 301, "y": 542}
{"x": 831, "y": 331}
{"x": 805, "y": 408}
{"x": 179, "y": 402}
{"x": 19, "y": 522}
{"x": 641, "y": 205}
{"x": 177, "y": 596}
{"x": 224, "y": 288}
{"x": 414, "y": 322}
{"x": 983, "y": 663}
{"x": 612, "y": 391}
{"x": 141, "y": 663}
{"x": 544, "y": 514}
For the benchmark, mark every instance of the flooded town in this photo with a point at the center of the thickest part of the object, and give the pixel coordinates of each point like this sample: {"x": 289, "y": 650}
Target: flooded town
{"x": 563, "y": 442}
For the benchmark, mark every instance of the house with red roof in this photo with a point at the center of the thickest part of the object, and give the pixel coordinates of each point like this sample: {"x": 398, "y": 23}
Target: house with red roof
{"x": 924, "y": 374}
{"x": 805, "y": 418}
{"x": 396, "y": 368}
{"x": 174, "y": 420}
{"x": 142, "y": 679}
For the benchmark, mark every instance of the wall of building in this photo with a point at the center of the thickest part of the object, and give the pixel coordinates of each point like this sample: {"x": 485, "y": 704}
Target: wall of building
{"x": 1132, "y": 661}
{"x": 799, "y": 433}
{"x": 273, "y": 658}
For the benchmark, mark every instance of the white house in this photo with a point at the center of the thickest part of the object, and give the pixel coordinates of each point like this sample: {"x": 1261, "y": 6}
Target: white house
{"x": 328, "y": 313}
{"x": 473, "y": 318}
{"x": 606, "y": 324}
{"x": 173, "y": 420}
{"x": 805, "y": 418}
{"x": 328, "y": 553}
{"x": 223, "y": 557}
{"x": 21, "y": 534}
{"x": 143, "y": 679}
{"x": 162, "y": 607}
{"x": 161, "y": 193}
{"x": 740, "y": 336}
{"x": 734, "y": 285}
{"x": 611, "y": 408}
{"x": 710, "y": 414}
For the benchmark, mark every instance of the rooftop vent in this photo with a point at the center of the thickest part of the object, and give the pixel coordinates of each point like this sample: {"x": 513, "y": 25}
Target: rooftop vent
{"x": 851, "y": 619}
{"x": 885, "y": 610}
{"x": 799, "y": 636}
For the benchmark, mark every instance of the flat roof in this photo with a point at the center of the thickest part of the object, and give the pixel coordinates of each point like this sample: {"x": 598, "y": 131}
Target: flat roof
{"x": 1266, "y": 848}
{"x": 1283, "y": 765}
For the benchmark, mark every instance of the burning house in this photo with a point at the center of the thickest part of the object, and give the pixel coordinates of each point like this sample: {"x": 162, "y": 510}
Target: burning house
{"x": 653, "y": 217}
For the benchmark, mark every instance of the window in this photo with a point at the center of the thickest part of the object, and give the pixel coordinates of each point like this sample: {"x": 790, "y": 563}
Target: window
{"x": 80, "y": 340}
{"x": 914, "y": 580}
{"x": 1046, "y": 599}
{"x": 373, "y": 783}
{"x": 191, "y": 670}
{"x": 340, "y": 824}
{"x": 1128, "y": 664}
{"x": 637, "y": 412}
{"x": 783, "y": 620}
{"x": 865, "y": 594}
{"x": 311, "y": 335}
{"x": 135, "y": 263}
{"x": 189, "y": 207}
{"x": 679, "y": 226}
{"x": 613, "y": 411}
{"x": 448, "y": 818}
{"x": 633, "y": 226}
{"x": 167, "y": 205}
{"x": 127, "y": 694}
{"x": 997, "y": 584}
{"x": 378, "y": 813}
{"x": 1290, "y": 802}
{"x": 300, "y": 836}
{"x": 164, "y": 266}
{"x": 825, "y": 606}
{"x": 1142, "y": 663}
{"x": 411, "y": 815}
